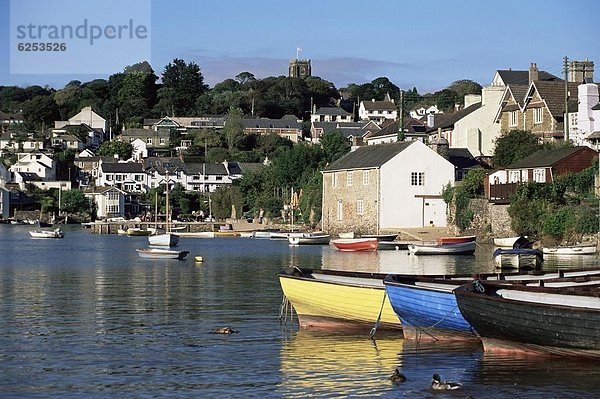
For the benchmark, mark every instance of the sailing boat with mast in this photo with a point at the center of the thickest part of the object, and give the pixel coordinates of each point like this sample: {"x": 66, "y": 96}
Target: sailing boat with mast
{"x": 167, "y": 239}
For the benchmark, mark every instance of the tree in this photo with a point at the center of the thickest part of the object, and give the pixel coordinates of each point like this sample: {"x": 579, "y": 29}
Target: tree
{"x": 74, "y": 201}
{"x": 182, "y": 85}
{"x": 120, "y": 148}
{"x": 464, "y": 87}
{"x": 334, "y": 146}
{"x": 245, "y": 77}
{"x": 41, "y": 111}
{"x": 234, "y": 128}
{"x": 514, "y": 145}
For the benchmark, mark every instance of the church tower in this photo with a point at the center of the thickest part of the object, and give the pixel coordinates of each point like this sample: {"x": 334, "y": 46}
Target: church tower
{"x": 299, "y": 68}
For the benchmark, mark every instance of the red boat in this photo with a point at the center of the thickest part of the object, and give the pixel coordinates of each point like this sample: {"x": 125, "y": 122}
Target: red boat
{"x": 356, "y": 244}
{"x": 456, "y": 240}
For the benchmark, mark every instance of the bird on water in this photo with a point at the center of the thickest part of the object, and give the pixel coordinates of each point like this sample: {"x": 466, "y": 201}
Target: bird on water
{"x": 439, "y": 385}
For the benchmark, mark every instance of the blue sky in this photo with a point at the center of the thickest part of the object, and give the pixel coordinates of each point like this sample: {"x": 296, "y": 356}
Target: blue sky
{"x": 427, "y": 44}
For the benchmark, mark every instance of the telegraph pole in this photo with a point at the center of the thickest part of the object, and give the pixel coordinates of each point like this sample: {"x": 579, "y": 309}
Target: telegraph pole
{"x": 566, "y": 118}
{"x": 401, "y": 120}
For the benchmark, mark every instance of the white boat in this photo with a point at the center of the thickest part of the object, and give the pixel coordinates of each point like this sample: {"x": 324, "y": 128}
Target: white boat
{"x": 166, "y": 239}
{"x": 284, "y": 235}
{"x": 198, "y": 234}
{"x": 443, "y": 249}
{"x": 346, "y": 236}
{"x": 122, "y": 232}
{"x": 310, "y": 239}
{"x": 570, "y": 250}
{"x": 246, "y": 234}
{"x": 507, "y": 242}
{"x": 262, "y": 234}
{"x": 518, "y": 258}
{"x": 56, "y": 233}
{"x": 156, "y": 253}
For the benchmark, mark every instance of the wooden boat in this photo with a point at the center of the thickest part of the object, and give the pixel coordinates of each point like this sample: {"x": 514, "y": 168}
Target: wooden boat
{"x": 461, "y": 248}
{"x": 538, "y": 320}
{"x": 122, "y": 232}
{"x": 262, "y": 235}
{"x": 355, "y": 244}
{"x": 157, "y": 253}
{"x": 506, "y": 242}
{"x": 224, "y": 233}
{"x": 427, "y": 308}
{"x": 284, "y": 235}
{"x": 338, "y": 300}
{"x": 393, "y": 245}
{"x": 56, "y": 233}
{"x": 310, "y": 239}
{"x": 518, "y": 258}
{"x": 456, "y": 240}
{"x": 136, "y": 231}
{"x": 381, "y": 237}
{"x": 199, "y": 234}
{"x": 571, "y": 250}
{"x": 347, "y": 235}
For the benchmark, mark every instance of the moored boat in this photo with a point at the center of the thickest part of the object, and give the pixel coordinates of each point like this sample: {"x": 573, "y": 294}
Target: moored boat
{"x": 55, "y": 233}
{"x": 381, "y": 237}
{"x": 355, "y": 244}
{"x": 427, "y": 308}
{"x": 456, "y": 240}
{"x": 570, "y": 250}
{"x": 346, "y": 235}
{"x": 505, "y": 242}
{"x": 338, "y": 300}
{"x": 518, "y": 258}
{"x": 163, "y": 240}
{"x": 199, "y": 234}
{"x": 136, "y": 231}
{"x": 310, "y": 239}
{"x": 393, "y": 245}
{"x": 461, "y": 248}
{"x": 157, "y": 253}
{"x": 538, "y": 320}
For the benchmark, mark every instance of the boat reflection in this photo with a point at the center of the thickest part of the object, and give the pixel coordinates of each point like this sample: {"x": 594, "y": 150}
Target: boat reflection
{"x": 320, "y": 365}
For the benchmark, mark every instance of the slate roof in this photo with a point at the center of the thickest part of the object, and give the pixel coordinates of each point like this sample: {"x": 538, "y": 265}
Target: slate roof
{"x": 510, "y": 77}
{"x": 545, "y": 157}
{"x": 209, "y": 168}
{"x": 371, "y": 156}
{"x": 7, "y": 116}
{"x": 375, "y": 105}
{"x": 327, "y": 126}
{"x": 266, "y": 123}
{"x": 461, "y": 158}
{"x": 451, "y": 119}
{"x": 122, "y": 167}
{"x": 29, "y": 176}
{"x": 246, "y": 167}
{"x": 411, "y": 125}
{"x": 553, "y": 94}
{"x": 146, "y": 133}
{"x": 519, "y": 92}
{"x": 332, "y": 111}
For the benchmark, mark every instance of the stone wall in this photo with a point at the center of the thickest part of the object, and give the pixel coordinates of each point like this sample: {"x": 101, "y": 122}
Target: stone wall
{"x": 489, "y": 220}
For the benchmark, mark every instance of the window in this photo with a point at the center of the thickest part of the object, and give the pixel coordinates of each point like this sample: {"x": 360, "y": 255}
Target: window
{"x": 334, "y": 179}
{"x": 112, "y": 196}
{"x": 366, "y": 177}
{"x": 514, "y": 176}
{"x": 162, "y": 141}
{"x": 360, "y": 207}
{"x": 513, "y": 118}
{"x": 340, "y": 210}
{"x": 538, "y": 115}
{"x": 539, "y": 175}
{"x": 113, "y": 209}
{"x": 417, "y": 178}
{"x": 139, "y": 177}
{"x": 118, "y": 178}
{"x": 109, "y": 177}
{"x": 349, "y": 178}
{"x": 149, "y": 140}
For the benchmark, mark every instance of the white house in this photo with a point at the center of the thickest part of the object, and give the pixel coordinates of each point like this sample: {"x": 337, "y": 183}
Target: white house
{"x": 109, "y": 201}
{"x": 385, "y": 188}
{"x": 330, "y": 114}
{"x": 36, "y": 163}
{"x": 128, "y": 176}
{"x": 378, "y": 111}
{"x": 477, "y": 130}
{"x": 588, "y": 113}
{"x": 140, "y": 150}
{"x": 88, "y": 119}
{"x": 421, "y": 112}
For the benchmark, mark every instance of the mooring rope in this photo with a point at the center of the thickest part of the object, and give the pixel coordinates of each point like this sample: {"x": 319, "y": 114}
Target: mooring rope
{"x": 374, "y": 329}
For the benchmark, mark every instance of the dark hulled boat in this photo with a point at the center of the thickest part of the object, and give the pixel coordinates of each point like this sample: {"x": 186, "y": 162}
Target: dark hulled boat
{"x": 539, "y": 320}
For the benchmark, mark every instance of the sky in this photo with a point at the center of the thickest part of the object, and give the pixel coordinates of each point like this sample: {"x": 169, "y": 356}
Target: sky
{"x": 422, "y": 44}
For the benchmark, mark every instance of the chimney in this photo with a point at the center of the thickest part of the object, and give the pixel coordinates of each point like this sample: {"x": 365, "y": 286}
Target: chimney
{"x": 441, "y": 146}
{"x": 456, "y": 107}
{"x": 533, "y": 72}
{"x": 430, "y": 120}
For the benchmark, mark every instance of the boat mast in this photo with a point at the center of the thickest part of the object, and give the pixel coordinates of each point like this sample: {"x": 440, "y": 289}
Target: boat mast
{"x": 167, "y": 228}
{"x": 155, "y": 212}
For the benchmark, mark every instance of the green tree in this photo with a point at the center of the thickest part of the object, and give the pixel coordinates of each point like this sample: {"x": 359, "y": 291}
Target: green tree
{"x": 513, "y": 146}
{"x": 234, "y": 128}
{"x": 74, "y": 201}
{"x": 463, "y": 87}
{"x": 182, "y": 85}
{"x": 42, "y": 111}
{"x": 118, "y": 147}
{"x": 334, "y": 146}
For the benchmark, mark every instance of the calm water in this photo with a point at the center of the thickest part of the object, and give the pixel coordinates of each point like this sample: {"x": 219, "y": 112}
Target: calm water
{"x": 86, "y": 317}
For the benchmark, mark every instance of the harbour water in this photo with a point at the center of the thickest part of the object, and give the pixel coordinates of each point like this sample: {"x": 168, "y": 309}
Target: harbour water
{"x": 84, "y": 316}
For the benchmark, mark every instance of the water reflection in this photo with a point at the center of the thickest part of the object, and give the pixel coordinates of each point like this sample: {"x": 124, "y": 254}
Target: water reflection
{"x": 321, "y": 365}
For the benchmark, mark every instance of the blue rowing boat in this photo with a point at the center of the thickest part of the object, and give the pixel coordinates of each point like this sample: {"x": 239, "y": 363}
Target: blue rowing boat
{"x": 427, "y": 308}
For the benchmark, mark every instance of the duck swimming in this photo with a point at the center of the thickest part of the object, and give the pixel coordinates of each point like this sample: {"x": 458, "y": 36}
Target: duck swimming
{"x": 439, "y": 385}
{"x": 224, "y": 330}
{"x": 398, "y": 376}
